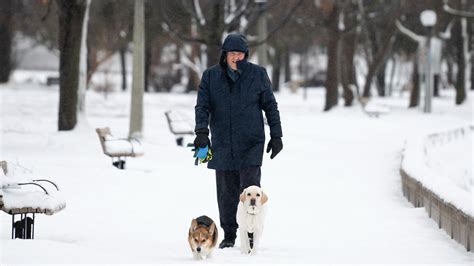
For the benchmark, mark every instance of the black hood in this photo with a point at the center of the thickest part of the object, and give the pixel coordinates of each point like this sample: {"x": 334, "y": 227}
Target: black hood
{"x": 234, "y": 42}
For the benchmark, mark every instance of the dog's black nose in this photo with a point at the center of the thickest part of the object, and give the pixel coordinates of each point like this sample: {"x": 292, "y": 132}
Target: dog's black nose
{"x": 198, "y": 249}
{"x": 253, "y": 202}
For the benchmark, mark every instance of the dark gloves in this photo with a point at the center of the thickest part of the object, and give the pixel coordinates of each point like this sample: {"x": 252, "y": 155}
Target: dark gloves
{"x": 202, "y": 138}
{"x": 275, "y": 145}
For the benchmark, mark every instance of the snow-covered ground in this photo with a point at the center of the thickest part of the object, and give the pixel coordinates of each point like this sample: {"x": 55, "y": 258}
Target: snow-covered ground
{"x": 334, "y": 191}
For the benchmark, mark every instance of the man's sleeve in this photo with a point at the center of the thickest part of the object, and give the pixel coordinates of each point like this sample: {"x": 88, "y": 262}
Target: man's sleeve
{"x": 270, "y": 107}
{"x": 203, "y": 104}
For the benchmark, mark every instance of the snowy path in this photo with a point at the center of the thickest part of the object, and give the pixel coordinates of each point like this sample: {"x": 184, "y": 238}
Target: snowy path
{"x": 334, "y": 191}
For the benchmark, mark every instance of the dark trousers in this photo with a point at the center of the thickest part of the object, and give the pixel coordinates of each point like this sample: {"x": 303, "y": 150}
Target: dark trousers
{"x": 229, "y": 186}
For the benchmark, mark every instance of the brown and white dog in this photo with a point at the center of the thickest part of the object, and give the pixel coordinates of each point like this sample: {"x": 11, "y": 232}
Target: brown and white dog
{"x": 250, "y": 217}
{"x": 202, "y": 237}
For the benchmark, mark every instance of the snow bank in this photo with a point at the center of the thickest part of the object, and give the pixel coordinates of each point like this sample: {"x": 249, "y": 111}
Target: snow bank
{"x": 442, "y": 162}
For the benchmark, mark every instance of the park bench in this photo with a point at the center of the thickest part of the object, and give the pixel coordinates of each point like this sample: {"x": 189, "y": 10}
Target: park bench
{"x": 373, "y": 109}
{"x": 118, "y": 148}
{"x": 180, "y": 125}
{"x": 20, "y": 195}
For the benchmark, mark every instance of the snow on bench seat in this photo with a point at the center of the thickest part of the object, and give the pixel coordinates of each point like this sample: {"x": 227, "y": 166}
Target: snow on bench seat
{"x": 20, "y": 194}
{"x": 118, "y": 147}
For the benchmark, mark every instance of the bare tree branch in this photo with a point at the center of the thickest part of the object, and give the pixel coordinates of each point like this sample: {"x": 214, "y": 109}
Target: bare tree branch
{"x": 415, "y": 37}
{"x": 190, "y": 9}
{"x": 447, "y": 33}
{"x": 168, "y": 27}
{"x": 198, "y": 11}
{"x": 243, "y": 9}
{"x": 455, "y": 12}
{"x": 278, "y": 26}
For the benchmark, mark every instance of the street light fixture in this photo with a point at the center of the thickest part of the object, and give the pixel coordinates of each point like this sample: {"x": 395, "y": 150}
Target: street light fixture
{"x": 428, "y": 19}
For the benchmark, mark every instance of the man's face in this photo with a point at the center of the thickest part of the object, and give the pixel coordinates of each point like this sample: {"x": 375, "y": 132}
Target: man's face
{"x": 233, "y": 57}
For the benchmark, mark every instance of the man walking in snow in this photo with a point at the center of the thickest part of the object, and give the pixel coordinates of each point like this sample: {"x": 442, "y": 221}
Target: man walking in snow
{"x": 231, "y": 97}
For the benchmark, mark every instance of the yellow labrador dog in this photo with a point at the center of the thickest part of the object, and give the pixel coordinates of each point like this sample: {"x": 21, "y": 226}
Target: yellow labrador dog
{"x": 250, "y": 217}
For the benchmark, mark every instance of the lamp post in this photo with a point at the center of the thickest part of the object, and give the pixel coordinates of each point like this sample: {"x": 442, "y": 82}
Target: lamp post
{"x": 262, "y": 32}
{"x": 428, "y": 19}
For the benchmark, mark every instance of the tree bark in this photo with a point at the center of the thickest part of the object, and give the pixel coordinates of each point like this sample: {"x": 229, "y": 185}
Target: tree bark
{"x": 381, "y": 80}
{"x": 332, "y": 93}
{"x": 472, "y": 71}
{"x": 213, "y": 33}
{"x": 286, "y": 59}
{"x": 6, "y": 9}
{"x": 148, "y": 56}
{"x": 122, "y": 51}
{"x": 379, "y": 59}
{"x": 460, "y": 84}
{"x": 277, "y": 68}
{"x": 415, "y": 90}
{"x": 347, "y": 68}
{"x": 71, "y": 15}
{"x": 449, "y": 63}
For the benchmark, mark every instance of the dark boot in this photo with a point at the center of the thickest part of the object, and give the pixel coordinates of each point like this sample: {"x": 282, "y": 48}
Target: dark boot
{"x": 229, "y": 240}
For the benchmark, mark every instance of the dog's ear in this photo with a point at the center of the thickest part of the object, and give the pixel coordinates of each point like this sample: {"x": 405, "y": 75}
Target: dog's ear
{"x": 212, "y": 229}
{"x": 194, "y": 226}
{"x": 264, "y": 198}
{"x": 242, "y": 196}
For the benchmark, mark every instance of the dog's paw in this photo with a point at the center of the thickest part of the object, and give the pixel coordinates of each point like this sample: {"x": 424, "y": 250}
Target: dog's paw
{"x": 197, "y": 256}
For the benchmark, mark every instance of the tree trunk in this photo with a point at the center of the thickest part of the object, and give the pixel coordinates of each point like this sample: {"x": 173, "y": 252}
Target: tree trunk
{"x": 286, "y": 59}
{"x": 6, "y": 9}
{"x": 148, "y": 46}
{"x": 71, "y": 15}
{"x": 449, "y": 63}
{"x": 214, "y": 33}
{"x": 415, "y": 90}
{"x": 436, "y": 79}
{"x": 123, "y": 64}
{"x": 148, "y": 56}
{"x": 461, "y": 75}
{"x": 379, "y": 59}
{"x": 332, "y": 93}
{"x": 472, "y": 71}
{"x": 193, "y": 81}
{"x": 277, "y": 68}
{"x": 347, "y": 68}
{"x": 138, "y": 80}
{"x": 381, "y": 80}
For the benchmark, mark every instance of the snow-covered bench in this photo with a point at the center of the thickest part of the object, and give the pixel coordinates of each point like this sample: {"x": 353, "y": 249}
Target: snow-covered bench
{"x": 118, "y": 148}
{"x": 180, "y": 125}
{"x": 373, "y": 109}
{"x": 22, "y": 195}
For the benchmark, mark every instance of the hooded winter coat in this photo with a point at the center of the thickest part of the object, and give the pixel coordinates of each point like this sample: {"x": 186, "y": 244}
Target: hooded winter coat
{"x": 233, "y": 110}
